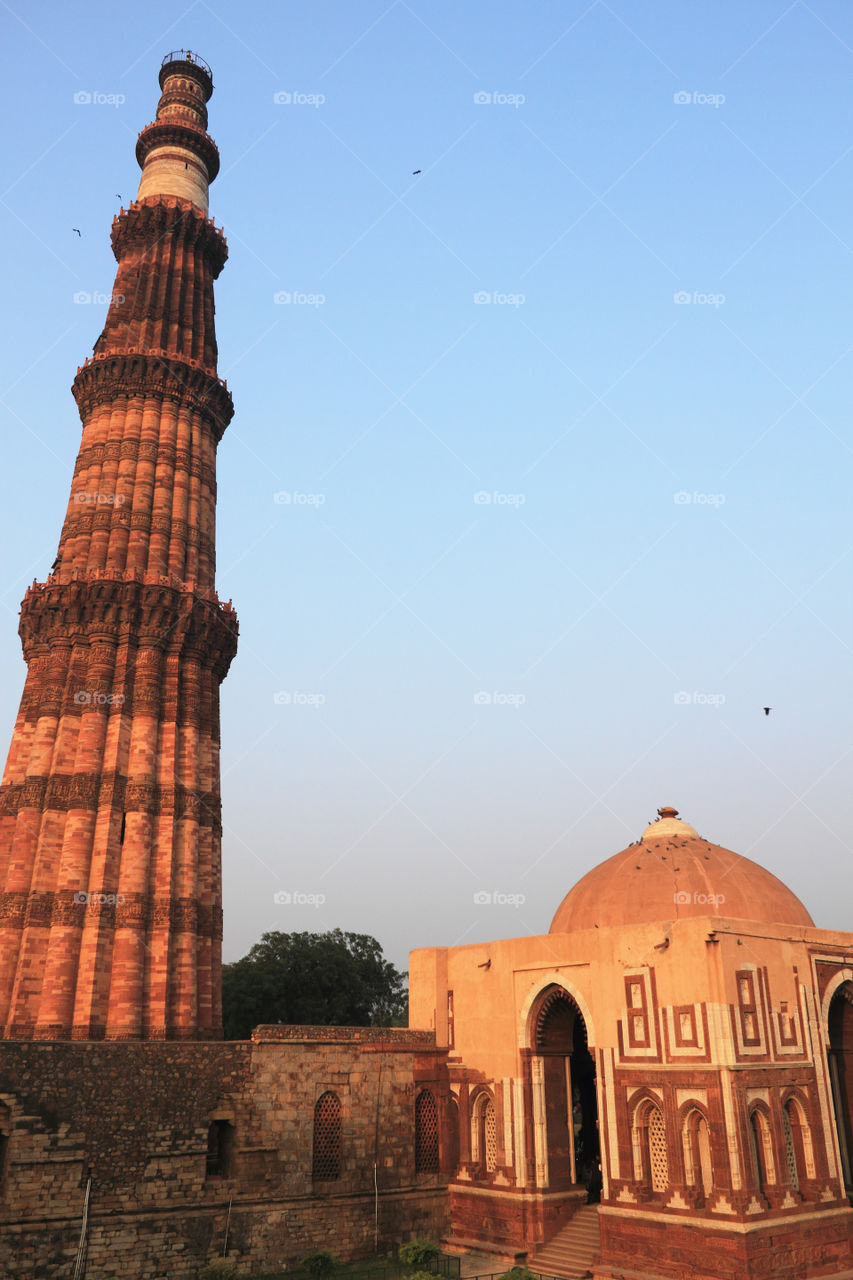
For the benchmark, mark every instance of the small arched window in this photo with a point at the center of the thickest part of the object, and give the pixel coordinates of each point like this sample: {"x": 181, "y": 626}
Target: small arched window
{"x": 426, "y": 1133}
{"x": 484, "y": 1144}
{"x": 658, "y": 1159}
{"x": 762, "y": 1150}
{"x": 697, "y": 1153}
{"x": 327, "y": 1138}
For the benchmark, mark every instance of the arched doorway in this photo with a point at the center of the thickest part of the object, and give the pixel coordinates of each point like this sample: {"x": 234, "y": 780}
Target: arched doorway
{"x": 568, "y": 1083}
{"x": 841, "y": 1074}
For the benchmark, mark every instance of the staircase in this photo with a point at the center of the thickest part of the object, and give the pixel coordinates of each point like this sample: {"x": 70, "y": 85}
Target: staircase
{"x": 570, "y": 1252}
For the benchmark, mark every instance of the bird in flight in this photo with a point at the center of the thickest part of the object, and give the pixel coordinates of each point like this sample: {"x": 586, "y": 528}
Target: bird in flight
{"x": 767, "y": 710}
{"x": 118, "y": 196}
{"x": 415, "y": 172}
{"x": 75, "y": 229}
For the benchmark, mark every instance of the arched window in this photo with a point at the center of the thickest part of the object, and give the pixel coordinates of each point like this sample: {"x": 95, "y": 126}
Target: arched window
{"x": 484, "y": 1134}
{"x": 799, "y": 1152}
{"x": 651, "y": 1161}
{"x": 697, "y": 1153}
{"x": 426, "y": 1133}
{"x": 327, "y": 1138}
{"x": 658, "y": 1161}
{"x": 220, "y": 1149}
{"x": 762, "y": 1150}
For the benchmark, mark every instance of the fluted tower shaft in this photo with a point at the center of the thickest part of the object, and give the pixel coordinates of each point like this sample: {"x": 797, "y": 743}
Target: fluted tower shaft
{"x": 110, "y": 830}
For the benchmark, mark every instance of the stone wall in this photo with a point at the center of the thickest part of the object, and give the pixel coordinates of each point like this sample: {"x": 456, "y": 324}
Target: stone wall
{"x": 135, "y": 1118}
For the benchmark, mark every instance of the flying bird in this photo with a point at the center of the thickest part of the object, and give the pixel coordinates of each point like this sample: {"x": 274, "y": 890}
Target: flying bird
{"x": 767, "y": 710}
{"x": 415, "y": 172}
{"x": 75, "y": 229}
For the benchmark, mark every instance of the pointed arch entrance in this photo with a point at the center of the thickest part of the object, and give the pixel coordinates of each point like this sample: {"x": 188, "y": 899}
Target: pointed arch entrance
{"x": 841, "y": 1075}
{"x": 566, "y": 1077}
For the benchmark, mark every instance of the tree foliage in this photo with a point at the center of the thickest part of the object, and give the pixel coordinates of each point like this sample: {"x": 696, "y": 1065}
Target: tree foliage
{"x": 328, "y": 979}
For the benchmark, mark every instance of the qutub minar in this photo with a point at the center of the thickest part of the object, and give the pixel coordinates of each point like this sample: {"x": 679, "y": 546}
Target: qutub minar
{"x": 683, "y": 1022}
{"x": 110, "y": 832}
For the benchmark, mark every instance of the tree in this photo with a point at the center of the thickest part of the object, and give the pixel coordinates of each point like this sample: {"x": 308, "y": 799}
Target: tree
{"x": 328, "y": 979}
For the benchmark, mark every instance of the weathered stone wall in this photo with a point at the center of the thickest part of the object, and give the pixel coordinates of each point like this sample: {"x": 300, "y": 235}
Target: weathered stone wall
{"x": 135, "y": 1117}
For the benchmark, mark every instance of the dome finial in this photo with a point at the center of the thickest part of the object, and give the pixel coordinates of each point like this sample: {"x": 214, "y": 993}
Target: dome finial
{"x": 667, "y": 812}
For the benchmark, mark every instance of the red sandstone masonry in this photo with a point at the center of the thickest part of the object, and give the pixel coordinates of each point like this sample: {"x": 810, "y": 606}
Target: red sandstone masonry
{"x": 137, "y": 1116}
{"x": 110, "y": 833}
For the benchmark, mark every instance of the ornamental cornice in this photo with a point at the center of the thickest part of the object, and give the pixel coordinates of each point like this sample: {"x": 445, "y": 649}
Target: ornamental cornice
{"x": 179, "y": 133}
{"x": 147, "y": 608}
{"x": 154, "y": 374}
{"x": 154, "y": 218}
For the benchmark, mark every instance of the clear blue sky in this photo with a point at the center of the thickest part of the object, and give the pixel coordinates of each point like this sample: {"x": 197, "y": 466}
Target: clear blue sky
{"x": 581, "y": 394}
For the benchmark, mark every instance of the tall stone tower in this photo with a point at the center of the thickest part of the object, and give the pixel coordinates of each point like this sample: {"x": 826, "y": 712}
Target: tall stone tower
{"x": 110, "y": 834}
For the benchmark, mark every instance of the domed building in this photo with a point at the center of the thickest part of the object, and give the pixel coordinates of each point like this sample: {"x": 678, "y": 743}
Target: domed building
{"x": 685, "y": 1026}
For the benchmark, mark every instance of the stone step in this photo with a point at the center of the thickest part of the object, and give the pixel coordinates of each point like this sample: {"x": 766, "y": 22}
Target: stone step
{"x": 571, "y": 1251}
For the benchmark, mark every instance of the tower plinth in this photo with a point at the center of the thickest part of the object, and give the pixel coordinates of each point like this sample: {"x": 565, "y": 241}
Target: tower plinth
{"x": 110, "y": 830}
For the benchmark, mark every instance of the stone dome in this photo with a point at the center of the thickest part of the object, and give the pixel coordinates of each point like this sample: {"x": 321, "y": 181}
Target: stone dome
{"x": 672, "y": 873}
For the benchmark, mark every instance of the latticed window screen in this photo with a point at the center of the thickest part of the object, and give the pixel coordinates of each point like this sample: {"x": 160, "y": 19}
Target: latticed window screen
{"x": 327, "y": 1138}
{"x": 426, "y": 1133}
{"x": 790, "y": 1153}
{"x": 490, "y": 1137}
{"x": 658, "y": 1163}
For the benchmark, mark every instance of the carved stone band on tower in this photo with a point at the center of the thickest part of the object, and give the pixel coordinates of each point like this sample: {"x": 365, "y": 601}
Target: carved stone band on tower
{"x": 110, "y": 831}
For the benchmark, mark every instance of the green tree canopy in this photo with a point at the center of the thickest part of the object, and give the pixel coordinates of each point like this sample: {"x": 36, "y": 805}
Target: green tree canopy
{"x": 329, "y": 979}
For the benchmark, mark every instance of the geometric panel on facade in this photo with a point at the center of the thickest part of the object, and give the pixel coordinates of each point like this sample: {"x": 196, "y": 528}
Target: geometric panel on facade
{"x": 327, "y": 1138}
{"x": 658, "y": 1160}
{"x": 426, "y": 1133}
